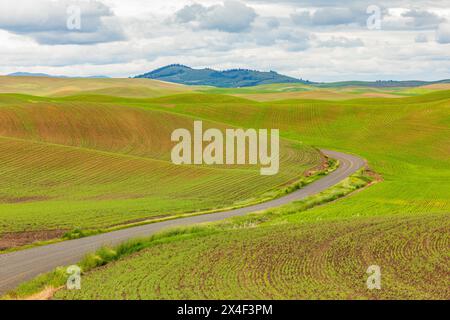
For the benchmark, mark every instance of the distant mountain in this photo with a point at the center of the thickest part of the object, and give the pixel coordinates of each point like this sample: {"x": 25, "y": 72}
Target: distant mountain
{"x": 30, "y": 74}
{"x": 234, "y": 78}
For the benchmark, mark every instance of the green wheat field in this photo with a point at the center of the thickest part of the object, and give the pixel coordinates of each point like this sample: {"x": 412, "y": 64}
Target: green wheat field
{"x": 80, "y": 155}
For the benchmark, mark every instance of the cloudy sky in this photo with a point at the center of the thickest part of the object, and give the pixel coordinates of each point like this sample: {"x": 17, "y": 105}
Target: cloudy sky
{"x": 319, "y": 40}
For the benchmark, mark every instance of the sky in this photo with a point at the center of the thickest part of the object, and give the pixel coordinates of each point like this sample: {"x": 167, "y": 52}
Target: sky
{"x": 317, "y": 40}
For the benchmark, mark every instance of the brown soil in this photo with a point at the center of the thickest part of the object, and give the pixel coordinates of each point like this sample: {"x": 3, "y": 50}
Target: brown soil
{"x": 321, "y": 167}
{"x": 16, "y": 239}
{"x": 377, "y": 177}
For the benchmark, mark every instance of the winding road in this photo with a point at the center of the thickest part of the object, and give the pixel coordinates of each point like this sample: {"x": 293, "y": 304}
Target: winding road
{"x": 24, "y": 265}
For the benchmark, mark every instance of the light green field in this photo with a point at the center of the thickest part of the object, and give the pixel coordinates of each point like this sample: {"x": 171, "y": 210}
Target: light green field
{"x": 400, "y": 224}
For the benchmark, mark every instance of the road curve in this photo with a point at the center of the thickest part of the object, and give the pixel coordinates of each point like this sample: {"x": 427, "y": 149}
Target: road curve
{"x": 24, "y": 265}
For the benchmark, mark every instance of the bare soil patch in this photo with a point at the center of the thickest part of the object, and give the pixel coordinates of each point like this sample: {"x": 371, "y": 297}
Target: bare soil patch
{"x": 4, "y": 199}
{"x": 17, "y": 239}
{"x": 320, "y": 167}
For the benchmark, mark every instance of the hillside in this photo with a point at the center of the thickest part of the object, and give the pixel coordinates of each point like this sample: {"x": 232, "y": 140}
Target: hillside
{"x": 89, "y": 162}
{"x": 226, "y": 79}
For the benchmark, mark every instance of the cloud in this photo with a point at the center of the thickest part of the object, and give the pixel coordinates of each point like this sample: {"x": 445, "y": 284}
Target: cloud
{"x": 421, "y": 38}
{"x": 231, "y": 16}
{"x": 357, "y": 15}
{"x": 191, "y": 13}
{"x": 331, "y": 16}
{"x": 301, "y": 18}
{"x": 273, "y": 23}
{"x": 443, "y": 33}
{"x": 341, "y": 42}
{"x": 48, "y": 22}
{"x": 337, "y": 16}
{"x": 422, "y": 18}
{"x": 297, "y": 41}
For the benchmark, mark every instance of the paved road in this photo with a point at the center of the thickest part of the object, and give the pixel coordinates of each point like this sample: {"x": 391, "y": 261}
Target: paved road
{"x": 23, "y": 265}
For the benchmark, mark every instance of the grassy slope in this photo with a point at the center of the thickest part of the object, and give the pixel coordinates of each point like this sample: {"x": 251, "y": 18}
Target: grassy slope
{"x": 93, "y": 162}
{"x": 400, "y": 224}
